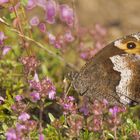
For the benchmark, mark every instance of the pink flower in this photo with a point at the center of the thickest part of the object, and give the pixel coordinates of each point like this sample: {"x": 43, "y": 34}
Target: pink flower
{"x": 52, "y": 38}
{"x": 68, "y": 37}
{"x": 51, "y": 94}
{"x": 35, "y": 96}
{"x": 31, "y": 4}
{"x": 20, "y": 127}
{"x": 3, "y": 1}
{"x": 114, "y": 111}
{"x": 36, "y": 78}
{"x": 18, "y": 98}
{"x": 68, "y": 104}
{"x": 2, "y": 38}
{"x": 30, "y": 63}
{"x": 24, "y": 117}
{"x": 84, "y": 55}
{"x": 1, "y": 100}
{"x": 97, "y": 124}
{"x": 71, "y": 98}
{"x": 34, "y": 21}
{"x": 5, "y": 50}
{"x": 11, "y": 134}
{"x": 41, "y": 3}
{"x": 42, "y": 27}
{"x": 41, "y": 137}
{"x": 57, "y": 45}
{"x": 50, "y": 11}
{"x": 67, "y": 14}
{"x": 35, "y": 85}
{"x": 85, "y": 108}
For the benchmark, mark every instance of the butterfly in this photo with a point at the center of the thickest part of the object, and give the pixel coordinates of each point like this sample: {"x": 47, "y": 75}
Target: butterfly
{"x": 113, "y": 73}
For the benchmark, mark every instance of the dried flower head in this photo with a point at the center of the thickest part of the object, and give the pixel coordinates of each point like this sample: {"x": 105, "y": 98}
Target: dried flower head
{"x": 30, "y": 63}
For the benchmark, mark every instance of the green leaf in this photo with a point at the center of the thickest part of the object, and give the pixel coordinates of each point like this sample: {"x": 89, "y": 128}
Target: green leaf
{"x": 52, "y": 118}
{"x": 62, "y": 119}
{"x": 24, "y": 2}
{"x": 12, "y": 15}
{"x": 35, "y": 117}
{"x": 47, "y": 104}
{"x": 4, "y": 126}
{"x": 9, "y": 97}
{"x": 110, "y": 135}
{"x": 129, "y": 121}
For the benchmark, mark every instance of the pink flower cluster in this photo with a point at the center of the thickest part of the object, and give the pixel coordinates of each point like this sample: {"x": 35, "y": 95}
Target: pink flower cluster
{"x": 42, "y": 89}
{"x": 98, "y": 34}
{"x": 3, "y": 1}
{"x": 51, "y": 9}
{"x": 68, "y": 104}
{"x": 22, "y": 129}
{"x": 5, "y": 49}
{"x": 61, "y": 41}
{"x": 30, "y": 64}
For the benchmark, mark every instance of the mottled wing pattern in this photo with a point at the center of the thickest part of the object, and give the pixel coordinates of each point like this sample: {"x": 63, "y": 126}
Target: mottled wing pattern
{"x": 112, "y": 74}
{"x": 98, "y": 81}
{"x": 128, "y": 66}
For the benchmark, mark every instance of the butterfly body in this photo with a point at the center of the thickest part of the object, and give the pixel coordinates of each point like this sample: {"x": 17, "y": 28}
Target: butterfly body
{"x": 113, "y": 73}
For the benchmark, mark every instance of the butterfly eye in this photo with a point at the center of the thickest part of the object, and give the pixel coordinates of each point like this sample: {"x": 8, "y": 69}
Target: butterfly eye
{"x": 131, "y": 45}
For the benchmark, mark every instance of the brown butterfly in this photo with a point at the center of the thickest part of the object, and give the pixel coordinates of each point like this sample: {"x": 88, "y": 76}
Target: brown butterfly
{"x": 113, "y": 73}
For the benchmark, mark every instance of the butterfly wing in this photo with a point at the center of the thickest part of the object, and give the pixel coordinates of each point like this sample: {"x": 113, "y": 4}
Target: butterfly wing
{"x": 100, "y": 78}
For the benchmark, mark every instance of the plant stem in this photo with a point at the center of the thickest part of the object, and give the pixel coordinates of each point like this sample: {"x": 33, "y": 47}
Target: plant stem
{"x": 20, "y": 28}
{"x": 41, "y": 116}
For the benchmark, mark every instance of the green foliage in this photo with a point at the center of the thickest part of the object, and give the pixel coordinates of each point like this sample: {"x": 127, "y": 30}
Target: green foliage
{"x": 24, "y": 2}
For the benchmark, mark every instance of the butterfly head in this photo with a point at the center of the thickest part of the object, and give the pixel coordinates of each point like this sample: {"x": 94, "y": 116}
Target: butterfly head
{"x": 129, "y": 44}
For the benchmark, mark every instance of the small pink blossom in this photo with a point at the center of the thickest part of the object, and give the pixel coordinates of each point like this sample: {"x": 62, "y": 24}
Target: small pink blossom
{"x": 1, "y": 100}
{"x": 3, "y": 1}
{"x": 67, "y": 14}
{"x": 11, "y": 134}
{"x": 57, "y": 45}
{"x": 100, "y": 30}
{"x": 41, "y": 137}
{"x": 35, "y": 96}
{"x": 85, "y": 108}
{"x": 24, "y": 117}
{"x": 20, "y": 127}
{"x": 68, "y": 36}
{"x": 50, "y": 11}
{"x": 114, "y": 111}
{"x": 2, "y": 38}
{"x": 5, "y": 50}
{"x": 30, "y": 63}
{"x": 52, "y": 38}
{"x": 36, "y": 78}
{"x": 18, "y": 98}
{"x": 68, "y": 104}
{"x": 35, "y": 85}
{"x": 31, "y": 4}
{"x": 34, "y": 21}
{"x": 41, "y": 3}
{"x": 51, "y": 94}
{"x": 42, "y": 27}
{"x": 97, "y": 124}
{"x": 71, "y": 98}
